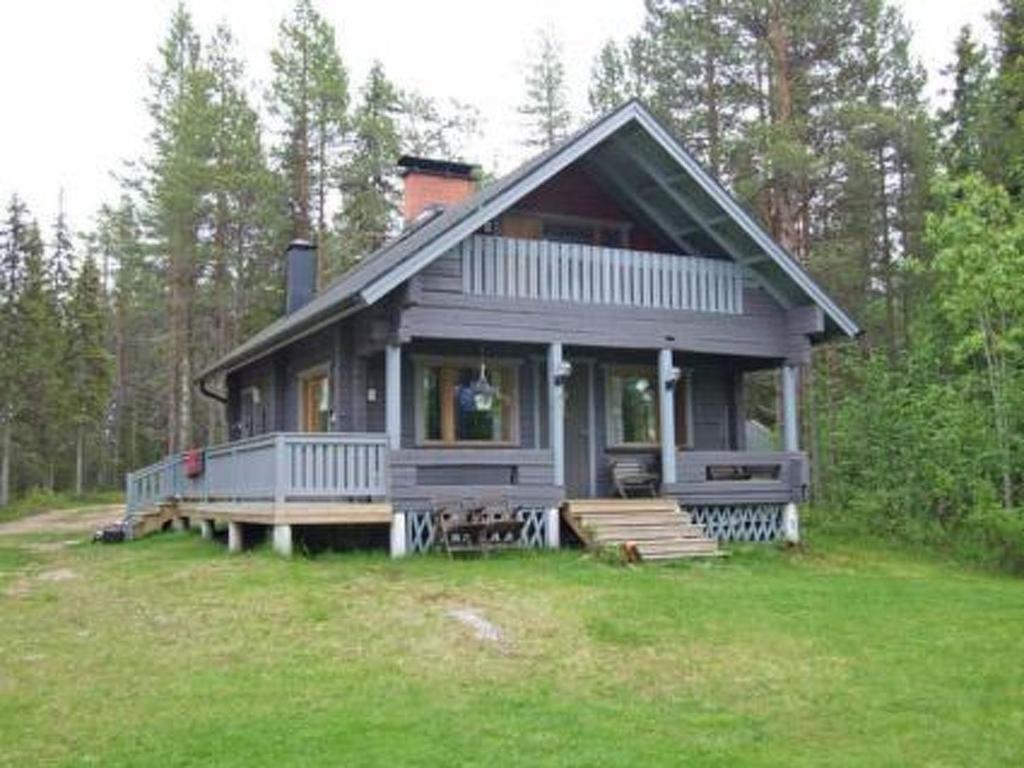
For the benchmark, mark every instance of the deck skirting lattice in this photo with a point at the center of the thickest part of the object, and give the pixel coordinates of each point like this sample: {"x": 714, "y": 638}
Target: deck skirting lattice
{"x": 420, "y": 534}
{"x": 739, "y": 522}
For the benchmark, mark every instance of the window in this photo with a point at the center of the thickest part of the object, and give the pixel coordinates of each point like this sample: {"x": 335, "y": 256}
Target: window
{"x": 458, "y": 405}
{"x": 253, "y": 414}
{"x": 632, "y": 405}
{"x": 314, "y": 400}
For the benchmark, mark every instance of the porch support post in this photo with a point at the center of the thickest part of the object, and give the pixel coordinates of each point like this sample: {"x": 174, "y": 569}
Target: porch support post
{"x": 393, "y": 394}
{"x": 206, "y": 529}
{"x": 667, "y": 410}
{"x": 791, "y": 443}
{"x": 556, "y": 412}
{"x": 398, "y": 542}
{"x": 790, "y": 433}
{"x": 283, "y": 540}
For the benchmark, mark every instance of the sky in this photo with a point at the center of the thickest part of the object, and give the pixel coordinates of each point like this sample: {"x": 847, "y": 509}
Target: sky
{"x": 73, "y": 74}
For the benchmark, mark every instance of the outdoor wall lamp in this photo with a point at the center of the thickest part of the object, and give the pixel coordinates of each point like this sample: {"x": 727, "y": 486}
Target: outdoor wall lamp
{"x": 674, "y": 375}
{"x": 563, "y": 373}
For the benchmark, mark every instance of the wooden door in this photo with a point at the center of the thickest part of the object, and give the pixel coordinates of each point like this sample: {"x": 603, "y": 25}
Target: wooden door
{"x": 577, "y": 433}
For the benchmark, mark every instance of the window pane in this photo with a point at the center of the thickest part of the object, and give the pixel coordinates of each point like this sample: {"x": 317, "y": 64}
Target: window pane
{"x": 633, "y": 399}
{"x": 431, "y": 405}
{"x": 455, "y": 409}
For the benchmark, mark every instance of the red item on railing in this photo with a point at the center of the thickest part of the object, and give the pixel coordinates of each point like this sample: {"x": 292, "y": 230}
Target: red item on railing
{"x": 193, "y": 463}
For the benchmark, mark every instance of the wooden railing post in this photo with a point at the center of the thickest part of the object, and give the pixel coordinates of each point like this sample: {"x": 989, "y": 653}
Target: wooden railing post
{"x": 281, "y": 472}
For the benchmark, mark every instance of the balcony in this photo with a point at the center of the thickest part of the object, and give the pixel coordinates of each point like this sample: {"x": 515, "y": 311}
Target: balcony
{"x": 510, "y": 268}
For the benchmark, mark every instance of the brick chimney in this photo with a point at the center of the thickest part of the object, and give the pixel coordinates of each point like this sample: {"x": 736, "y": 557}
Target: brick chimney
{"x": 430, "y": 183}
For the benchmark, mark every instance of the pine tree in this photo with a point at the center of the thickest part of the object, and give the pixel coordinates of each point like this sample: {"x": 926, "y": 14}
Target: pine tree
{"x": 245, "y": 225}
{"x": 88, "y": 362}
{"x": 963, "y": 120}
{"x": 430, "y": 130}
{"x": 620, "y": 73}
{"x": 1004, "y": 131}
{"x": 60, "y": 265}
{"x": 546, "y": 104}
{"x": 177, "y": 199}
{"x": 309, "y": 95}
{"x": 39, "y": 343}
{"x": 12, "y": 272}
{"x": 368, "y": 185}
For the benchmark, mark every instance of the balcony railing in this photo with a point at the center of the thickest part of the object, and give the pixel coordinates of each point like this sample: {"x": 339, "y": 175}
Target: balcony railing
{"x": 277, "y": 468}
{"x": 512, "y": 268}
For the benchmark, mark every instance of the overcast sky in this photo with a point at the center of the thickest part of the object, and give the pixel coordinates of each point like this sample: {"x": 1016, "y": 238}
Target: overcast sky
{"x": 73, "y": 74}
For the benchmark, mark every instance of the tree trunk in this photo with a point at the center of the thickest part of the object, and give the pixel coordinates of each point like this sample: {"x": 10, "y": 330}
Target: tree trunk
{"x": 783, "y": 205}
{"x": 5, "y": 463}
{"x": 79, "y": 461}
{"x": 890, "y": 298}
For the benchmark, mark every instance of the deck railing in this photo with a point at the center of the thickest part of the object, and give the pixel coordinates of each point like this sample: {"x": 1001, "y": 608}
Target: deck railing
{"x": 276, "y": 468}
{"x": 736, "y": 477}
{"x": 513, "y": 268}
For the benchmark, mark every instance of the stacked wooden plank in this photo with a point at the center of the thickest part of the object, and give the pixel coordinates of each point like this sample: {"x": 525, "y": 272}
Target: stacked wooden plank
{"x": 653, "y": 529}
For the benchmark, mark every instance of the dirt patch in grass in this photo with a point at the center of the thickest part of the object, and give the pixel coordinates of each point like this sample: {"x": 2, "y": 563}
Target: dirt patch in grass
{"x": 79, "y": 520}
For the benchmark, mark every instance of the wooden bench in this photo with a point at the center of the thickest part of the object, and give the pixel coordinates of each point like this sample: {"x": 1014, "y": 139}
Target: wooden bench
{"x": 634, "y": 477}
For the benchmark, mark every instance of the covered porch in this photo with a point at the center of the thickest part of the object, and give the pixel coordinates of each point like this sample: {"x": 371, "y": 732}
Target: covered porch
{"x": 556, "y": 420}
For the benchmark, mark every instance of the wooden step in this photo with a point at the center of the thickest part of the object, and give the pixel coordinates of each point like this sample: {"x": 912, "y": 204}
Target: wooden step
{"x": 667, "y": 518}
{"x": 640, "y": 536}
{"x": 656, "y": 528}
{"x": 652, "y": 528}
{"x": 622, "y": 508}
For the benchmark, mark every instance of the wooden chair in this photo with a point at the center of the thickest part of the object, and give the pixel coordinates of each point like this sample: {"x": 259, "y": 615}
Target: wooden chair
{"x": 634, "y": 477}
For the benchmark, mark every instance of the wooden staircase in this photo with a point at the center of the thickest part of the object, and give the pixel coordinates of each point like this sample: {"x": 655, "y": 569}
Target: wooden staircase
{"x": 653, "y": 529}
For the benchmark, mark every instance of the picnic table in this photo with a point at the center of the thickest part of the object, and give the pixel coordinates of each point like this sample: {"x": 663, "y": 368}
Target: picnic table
{"x": 477, "y": 528}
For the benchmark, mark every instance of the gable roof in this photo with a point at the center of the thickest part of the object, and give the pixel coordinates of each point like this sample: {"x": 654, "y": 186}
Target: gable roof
{"x": 623, "y": 143}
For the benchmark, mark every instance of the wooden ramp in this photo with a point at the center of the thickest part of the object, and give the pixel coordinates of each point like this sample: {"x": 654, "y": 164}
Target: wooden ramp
{"x": 656, "y": 529}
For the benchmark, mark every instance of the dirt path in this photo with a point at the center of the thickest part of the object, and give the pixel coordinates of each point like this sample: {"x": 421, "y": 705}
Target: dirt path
{"x": 80, "y": 520}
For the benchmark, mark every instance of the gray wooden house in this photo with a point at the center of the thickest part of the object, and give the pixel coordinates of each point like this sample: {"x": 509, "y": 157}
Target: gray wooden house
{"x": 586, "y": 319}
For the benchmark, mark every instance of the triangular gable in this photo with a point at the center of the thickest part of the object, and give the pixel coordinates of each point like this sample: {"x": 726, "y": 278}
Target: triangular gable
{"x": 610, "y": 140}
{"x": 760, "y": 256}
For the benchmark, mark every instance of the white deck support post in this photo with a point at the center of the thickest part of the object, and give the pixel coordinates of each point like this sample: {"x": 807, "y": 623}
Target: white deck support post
{"x": 206, "y": 529}
{"x": 393, "y": 394}
{"x": 556, "y": 412}
{"x": 552, "y": 521}
{"x": 283, "y": 540}
{"x": 667, "y": 377}
{"x": 398, "y": 545}
{"x": 791, "y": 443}
{"x": 234, "y": 536}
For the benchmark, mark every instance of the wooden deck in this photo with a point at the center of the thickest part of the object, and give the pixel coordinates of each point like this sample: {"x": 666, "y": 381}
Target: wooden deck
{"x": 290, "y": 513}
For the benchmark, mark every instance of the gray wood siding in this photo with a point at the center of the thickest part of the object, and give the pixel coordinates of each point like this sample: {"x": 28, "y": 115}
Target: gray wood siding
{"x": 441, "y": 309}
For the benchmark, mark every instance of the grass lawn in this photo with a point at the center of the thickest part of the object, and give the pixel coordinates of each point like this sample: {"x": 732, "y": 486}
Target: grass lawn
{"x": 170, "y": 652}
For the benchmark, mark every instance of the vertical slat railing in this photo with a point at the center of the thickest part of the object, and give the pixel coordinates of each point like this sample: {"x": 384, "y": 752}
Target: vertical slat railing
{"x": 275, "y": 468}
{"x": 515, "y": 268}
{"x": 335, "y": 466}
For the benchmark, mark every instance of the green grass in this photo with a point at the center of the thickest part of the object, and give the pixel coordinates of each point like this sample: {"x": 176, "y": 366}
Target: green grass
{"x": 38, "y": 500}
{"x": 169, "y": 652}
